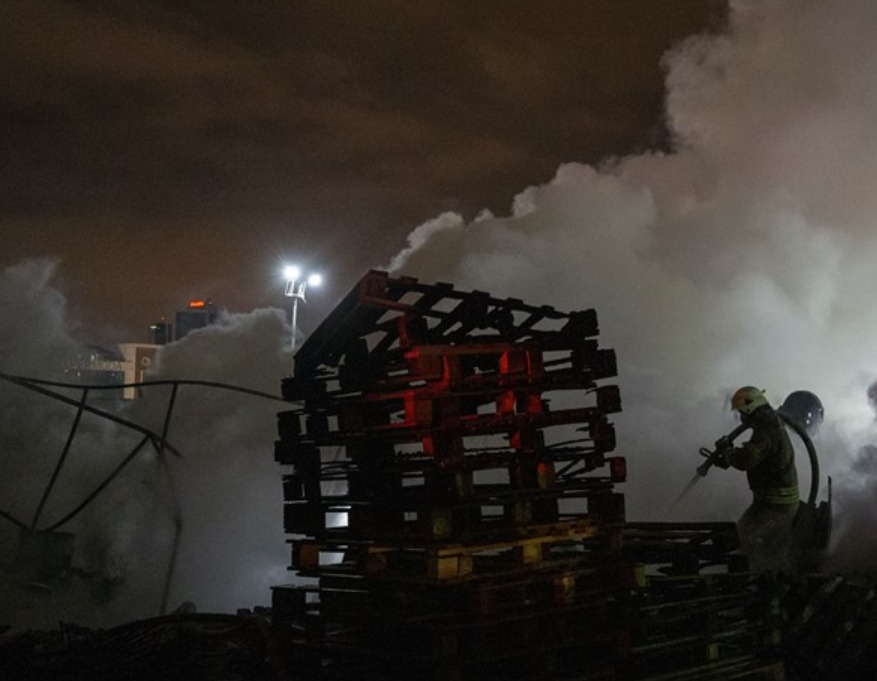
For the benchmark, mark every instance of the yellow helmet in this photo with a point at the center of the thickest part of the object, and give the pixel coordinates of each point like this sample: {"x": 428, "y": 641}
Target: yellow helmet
{"x": 747, "y": 399}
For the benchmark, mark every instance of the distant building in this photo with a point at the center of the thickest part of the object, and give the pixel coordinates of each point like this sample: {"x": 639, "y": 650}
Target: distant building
{"x": 100, "y": 366}
{"x": 197, "y": 315}
{"x": 131, "y": 363}
{"x": 161, "y": 332}
{"x": 139, "y": 361}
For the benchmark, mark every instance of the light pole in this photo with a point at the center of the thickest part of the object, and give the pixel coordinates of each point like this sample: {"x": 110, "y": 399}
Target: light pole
{"x": 296, "y": 285}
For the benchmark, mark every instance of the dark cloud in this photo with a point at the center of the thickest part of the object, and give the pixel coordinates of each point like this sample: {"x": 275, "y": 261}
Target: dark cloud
{"x": 197, "y": 144}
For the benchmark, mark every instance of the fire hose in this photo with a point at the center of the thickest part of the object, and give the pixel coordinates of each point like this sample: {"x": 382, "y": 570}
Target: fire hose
{"x": 723, "y": 444}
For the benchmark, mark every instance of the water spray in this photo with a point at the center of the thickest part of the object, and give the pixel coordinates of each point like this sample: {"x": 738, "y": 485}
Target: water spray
{"x": 722, "y": 445}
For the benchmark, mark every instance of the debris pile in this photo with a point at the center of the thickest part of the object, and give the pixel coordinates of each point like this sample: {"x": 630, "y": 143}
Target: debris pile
{"x": 170, "y": 648}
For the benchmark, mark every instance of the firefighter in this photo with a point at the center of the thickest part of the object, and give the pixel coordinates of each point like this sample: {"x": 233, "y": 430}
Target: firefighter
{"x": 765, "y": 528}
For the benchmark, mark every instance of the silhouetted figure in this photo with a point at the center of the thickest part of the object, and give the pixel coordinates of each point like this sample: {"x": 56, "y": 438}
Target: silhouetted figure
{"x": 768, "y": 458}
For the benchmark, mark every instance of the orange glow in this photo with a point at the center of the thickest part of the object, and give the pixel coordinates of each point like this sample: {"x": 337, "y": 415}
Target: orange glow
{"x": 196, "y": 303}
{"x": 617, "y": 468}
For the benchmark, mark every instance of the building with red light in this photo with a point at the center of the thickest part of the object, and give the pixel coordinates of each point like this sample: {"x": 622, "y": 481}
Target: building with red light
{"x": 197, "y": 315}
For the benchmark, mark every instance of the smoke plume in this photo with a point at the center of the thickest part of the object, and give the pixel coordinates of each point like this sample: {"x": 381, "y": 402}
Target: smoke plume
{"x": 220, "y": 504}
{"x": 743, "y": 257}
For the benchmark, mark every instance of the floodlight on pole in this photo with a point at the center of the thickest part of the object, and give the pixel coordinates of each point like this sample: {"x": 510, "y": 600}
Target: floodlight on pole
{"x": 296, "y": 286}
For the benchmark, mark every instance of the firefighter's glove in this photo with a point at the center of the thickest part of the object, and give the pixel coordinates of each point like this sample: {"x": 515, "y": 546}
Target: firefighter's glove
{"x": 720, "y": 459}
{"x": 722, "y": 452}
{"x": 723, "y": 444}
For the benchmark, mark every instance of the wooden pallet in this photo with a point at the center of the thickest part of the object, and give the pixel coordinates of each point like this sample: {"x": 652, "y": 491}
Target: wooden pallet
{"x": 455, "y": 560}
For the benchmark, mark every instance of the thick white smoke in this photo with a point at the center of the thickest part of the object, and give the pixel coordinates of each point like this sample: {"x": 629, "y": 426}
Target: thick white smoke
{"x": 228, "y": 485}
{"x": 225, "y": 492}
{"x": 744, "y": 257}
{"x": 34, "y": 341}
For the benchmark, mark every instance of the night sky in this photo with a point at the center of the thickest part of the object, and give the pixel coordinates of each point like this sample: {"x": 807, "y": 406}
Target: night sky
{"x": 173, "y": 149}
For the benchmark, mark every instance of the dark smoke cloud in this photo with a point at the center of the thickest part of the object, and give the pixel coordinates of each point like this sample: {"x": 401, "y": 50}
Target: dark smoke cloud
{"x": 856, "y": 491}
{"x": 743, "y": 257}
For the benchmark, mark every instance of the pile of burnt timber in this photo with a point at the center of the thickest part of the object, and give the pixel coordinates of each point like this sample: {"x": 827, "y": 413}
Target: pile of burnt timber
{"x": 830, "y": 628}
{"x": 452, "y": 500}
{"x": 184, "y": 647}
{"x": 698, "y": 613}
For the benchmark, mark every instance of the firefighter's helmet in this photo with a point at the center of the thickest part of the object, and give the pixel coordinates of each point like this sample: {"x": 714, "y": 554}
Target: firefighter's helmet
{"x": 747, "y": 399}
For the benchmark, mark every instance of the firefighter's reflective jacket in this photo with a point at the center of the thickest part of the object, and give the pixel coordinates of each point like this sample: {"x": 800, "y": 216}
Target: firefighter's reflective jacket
{"x": 768, "y": 459}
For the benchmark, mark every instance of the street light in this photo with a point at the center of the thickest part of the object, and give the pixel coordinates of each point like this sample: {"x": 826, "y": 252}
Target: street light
{"x": 296, "y": 285}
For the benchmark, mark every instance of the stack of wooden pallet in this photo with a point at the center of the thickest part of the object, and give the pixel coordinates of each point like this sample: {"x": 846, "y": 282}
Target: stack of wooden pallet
{"x": 697, "y": 612}
{"x": 451, "y": 492}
